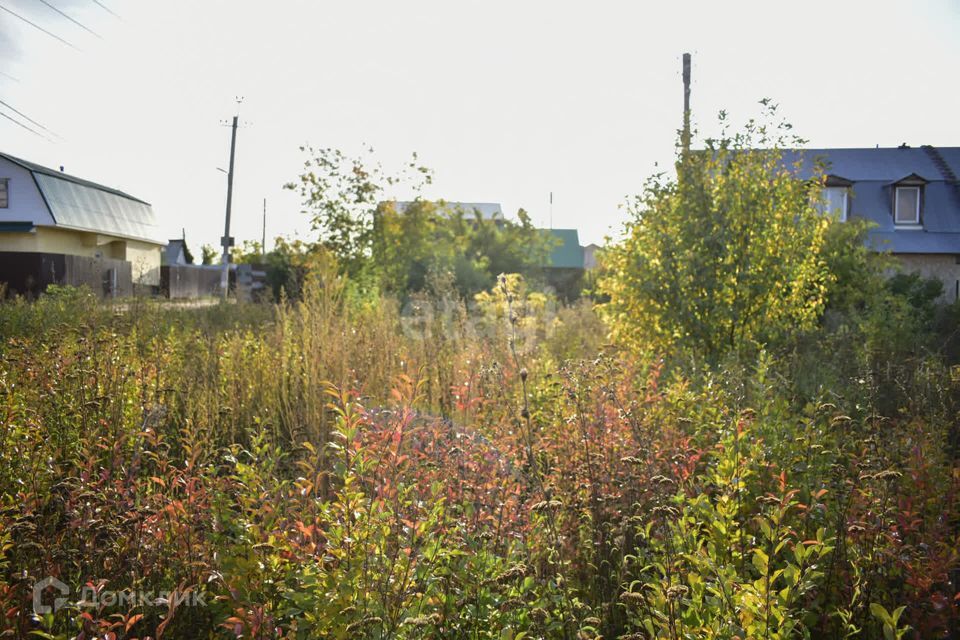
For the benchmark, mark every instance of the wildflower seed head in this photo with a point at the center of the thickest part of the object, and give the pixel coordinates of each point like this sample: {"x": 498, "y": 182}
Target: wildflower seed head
{"x": 423, "y": 621}
{"x": 676, "y": 592}
{"x": 538, "y": 615}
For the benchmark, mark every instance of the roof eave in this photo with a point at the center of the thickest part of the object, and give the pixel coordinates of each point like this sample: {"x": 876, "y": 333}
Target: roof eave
{"x": 100, "y": 232}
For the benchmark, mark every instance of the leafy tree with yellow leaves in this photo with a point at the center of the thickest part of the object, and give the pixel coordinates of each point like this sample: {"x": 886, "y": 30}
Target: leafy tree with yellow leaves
{"x": 728, "y": 256}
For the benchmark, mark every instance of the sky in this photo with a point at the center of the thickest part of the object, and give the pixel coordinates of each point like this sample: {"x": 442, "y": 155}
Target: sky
{"x": 506, "y": 101}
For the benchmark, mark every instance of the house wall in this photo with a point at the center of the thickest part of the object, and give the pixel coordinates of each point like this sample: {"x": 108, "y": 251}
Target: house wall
{"x": 25, "y": 202}
{"x": 52, "y": 240}
{"x": 144, "y": 257}
{"x": 144, "y": 261}
{"x": 945, "y": 267}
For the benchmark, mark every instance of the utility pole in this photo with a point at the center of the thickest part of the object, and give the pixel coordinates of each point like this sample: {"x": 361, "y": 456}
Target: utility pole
{"x": 551, "y": 209}
{"x": 263, "y": 240}
{"x": 685, "y": 136}
{"x": 226, "y": 240}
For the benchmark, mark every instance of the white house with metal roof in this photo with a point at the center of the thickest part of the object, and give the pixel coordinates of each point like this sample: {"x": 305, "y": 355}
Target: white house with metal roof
{"x": 59, "y": 229}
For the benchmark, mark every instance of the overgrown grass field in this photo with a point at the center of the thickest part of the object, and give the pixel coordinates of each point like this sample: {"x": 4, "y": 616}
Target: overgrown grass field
{"x": 334, "y": 468}
{"x": 747, "y": 429}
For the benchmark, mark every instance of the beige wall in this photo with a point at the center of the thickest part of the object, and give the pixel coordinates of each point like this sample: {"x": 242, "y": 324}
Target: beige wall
{"x": 144, "y": 257}
{"x": 940, "y": 266}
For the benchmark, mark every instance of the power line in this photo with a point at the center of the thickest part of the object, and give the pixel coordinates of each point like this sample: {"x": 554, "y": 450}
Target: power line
{"x": 20, "y": 124}
{"x": 28, "y": 118}
{"x": 107, "y": 9}
{"x": 76, "y": 22}
{"x": 7, "y": 75}
{"x": 36, "y": 26}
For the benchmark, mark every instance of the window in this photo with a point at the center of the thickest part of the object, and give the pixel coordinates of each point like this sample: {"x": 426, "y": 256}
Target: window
{"x": 907, "y": 205}
{"x": 4, "y": 196}
{"x": 833, "y": 201}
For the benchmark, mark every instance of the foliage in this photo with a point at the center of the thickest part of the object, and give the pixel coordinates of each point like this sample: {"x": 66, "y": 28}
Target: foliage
{"x": 383, "y": 247}
{"x": 727, "y": 257}
{"x": 187, "y": 254}
{"x": 250, "y": 252}
{"x": 341, "y": 195}
{"x": 430, "y": 237}
{"x": 208, "y": 255}
{"x": 338, "y": 471}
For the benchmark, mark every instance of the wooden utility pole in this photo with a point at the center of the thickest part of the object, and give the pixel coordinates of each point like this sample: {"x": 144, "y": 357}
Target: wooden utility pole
{"x": 263, "y": 239}
{"x": 685, "y": 136}
{"x": 226, "y": 240}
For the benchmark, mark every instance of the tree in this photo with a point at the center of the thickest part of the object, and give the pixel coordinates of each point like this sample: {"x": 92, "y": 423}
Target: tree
{"x": 208, "y": 254}
{"x": 341, "y": 195}
{"x": 431, "y": 237}
{"x": 187, "y": 254}
{"x": 250, "y": 252}
{"x": 728, "y": 256}
{"x": 377, "y": 244}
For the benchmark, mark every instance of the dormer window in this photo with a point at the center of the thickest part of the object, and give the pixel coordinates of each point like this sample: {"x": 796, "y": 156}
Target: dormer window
{"x": 833, "y": 201}
{"x": 907, "y": 205}
{"x": 908, "y": 201}
{"x": 835, "y": 198}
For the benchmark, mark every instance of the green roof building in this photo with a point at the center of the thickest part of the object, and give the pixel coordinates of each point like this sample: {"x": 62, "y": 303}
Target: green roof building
{"x": 566, "y": 252}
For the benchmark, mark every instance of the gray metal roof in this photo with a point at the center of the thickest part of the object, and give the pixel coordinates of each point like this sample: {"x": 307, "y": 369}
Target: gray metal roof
{"x": 174, "y": 252}
{"x": 873, "y": 173}
{"x": 487, "y": 210}
{"x": 884, "y": 165}
{"x": 76, "y": 203}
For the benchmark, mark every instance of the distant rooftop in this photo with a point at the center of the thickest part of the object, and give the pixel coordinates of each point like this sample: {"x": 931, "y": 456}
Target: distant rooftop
{"x": 566, "y": 252}
{"x": 174, "y": 252}
{"x": 884, "y": 164}
{"x": 487, "y": 210}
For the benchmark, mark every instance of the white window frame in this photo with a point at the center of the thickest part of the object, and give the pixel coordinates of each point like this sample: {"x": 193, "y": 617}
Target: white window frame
{"x": 896, "y": 208}
{"x": 5, "y": 202}
{"x": 824, "y": 202}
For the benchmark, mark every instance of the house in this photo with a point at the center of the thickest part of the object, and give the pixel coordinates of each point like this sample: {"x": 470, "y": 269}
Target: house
{"x": 59, "y": 229}
{"x": 563, "y": 269}
{"x": 911, "y": 194}
{"x": 590, "y": 256}
{"x": 175, "y": 253}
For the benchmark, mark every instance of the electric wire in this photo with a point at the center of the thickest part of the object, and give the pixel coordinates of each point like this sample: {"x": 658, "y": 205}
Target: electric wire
{"x": 76, "y": 22}
{"x": 28, "y": 118}
{"x": 20, "y": 124}
{"x": 107, "y": 9}
{"x": 38, "y": 27}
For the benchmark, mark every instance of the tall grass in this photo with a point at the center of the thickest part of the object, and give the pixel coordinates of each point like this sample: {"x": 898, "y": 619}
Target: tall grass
{"x": 342, "y": 467}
